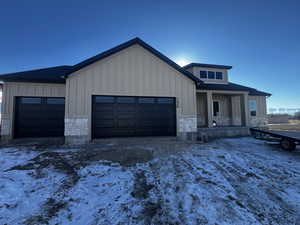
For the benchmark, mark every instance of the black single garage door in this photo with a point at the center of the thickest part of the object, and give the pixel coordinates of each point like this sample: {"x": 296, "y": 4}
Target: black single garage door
{"x": 133, "y": 116}
{"x": 39, "y": 117}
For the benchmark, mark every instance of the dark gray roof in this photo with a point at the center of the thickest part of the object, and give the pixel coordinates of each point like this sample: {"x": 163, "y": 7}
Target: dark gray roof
{"x": 231, "y": 87}
{"x": 45, "y": 75}
{"x": 208, "y": 66}
{"x": 128, "y": 44}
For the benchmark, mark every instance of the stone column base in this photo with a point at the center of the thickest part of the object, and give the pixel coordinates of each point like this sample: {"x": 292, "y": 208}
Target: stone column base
{"x": 76, "y": 131}
{"x": 6, "y": 139}
{"x": 187, "y": 128}
{"x": 76, "y": 140}
{"x": 187, "y": 136}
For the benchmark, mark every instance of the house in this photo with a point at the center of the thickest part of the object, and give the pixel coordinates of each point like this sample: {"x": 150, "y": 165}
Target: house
{"x": 129, "y": 90}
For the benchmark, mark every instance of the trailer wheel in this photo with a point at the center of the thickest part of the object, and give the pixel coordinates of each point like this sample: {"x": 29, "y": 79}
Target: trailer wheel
{"x": 287, "y": 144}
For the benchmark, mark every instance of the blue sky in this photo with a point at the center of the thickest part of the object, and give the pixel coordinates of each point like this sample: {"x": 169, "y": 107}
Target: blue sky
{"x": 260, "y": 39}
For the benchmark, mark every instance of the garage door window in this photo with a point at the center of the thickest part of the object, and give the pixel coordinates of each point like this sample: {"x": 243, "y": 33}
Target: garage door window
{"x": 55, "y": 101}
{"x": 146, "y": 100}
{"x": 125, "y": 100}
{"x": 104, "y": 99}
{"x": 31, "y": 100}
{"x": 165, "y": 100}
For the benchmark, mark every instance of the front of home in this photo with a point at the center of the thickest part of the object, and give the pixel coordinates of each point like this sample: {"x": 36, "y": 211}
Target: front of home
{"x": 129, "y": 90}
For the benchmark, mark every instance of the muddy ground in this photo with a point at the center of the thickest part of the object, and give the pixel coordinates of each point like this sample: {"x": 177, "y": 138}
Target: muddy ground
{"x": 229, "y": 181}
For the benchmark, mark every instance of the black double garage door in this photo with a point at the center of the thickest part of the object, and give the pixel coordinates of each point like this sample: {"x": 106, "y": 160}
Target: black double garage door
{"x": 39, "y": 117}
{"x": 133, "y": 116}
{"x": 111, "y": 116}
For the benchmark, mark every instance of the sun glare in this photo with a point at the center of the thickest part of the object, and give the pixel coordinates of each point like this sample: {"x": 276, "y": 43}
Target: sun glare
{"x": 182, "y": 62}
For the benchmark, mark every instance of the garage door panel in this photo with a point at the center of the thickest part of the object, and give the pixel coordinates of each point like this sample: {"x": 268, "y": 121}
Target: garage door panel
{"x": 126, "y": 124}
{"x": 127, "y": 108}
{"x": 39, "y": 117}
{"x": 133, "y": 116}
{"x": 103, "y": 108}
{"x": 113, "y": 132}
{"x": 103, "y": 115}
{"x": 104, "y": 123}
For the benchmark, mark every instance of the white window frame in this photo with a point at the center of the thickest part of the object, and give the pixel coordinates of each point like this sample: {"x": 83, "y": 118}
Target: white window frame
{"x": 221, "y": 73}
{"x": 212, "y": 78}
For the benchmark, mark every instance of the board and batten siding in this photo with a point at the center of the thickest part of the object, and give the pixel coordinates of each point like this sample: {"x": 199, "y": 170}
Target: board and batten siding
{"x": 19, "y": 89}
{"x": 133, "y": 71}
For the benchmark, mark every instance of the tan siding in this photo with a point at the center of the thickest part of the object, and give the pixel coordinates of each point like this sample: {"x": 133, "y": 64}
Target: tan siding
{"x": 132, "y": 72}
{"x": 201, "y": 110}
{"x": 14, "y": 89}
{"x": 236, "y": 110}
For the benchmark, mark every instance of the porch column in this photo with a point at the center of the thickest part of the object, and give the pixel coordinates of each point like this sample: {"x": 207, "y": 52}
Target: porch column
{"x": 244, "y": 110}
{"x": 209, "y": 103}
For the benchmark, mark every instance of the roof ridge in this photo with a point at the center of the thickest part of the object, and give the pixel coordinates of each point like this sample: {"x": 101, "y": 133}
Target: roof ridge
{"x": 207, "y": 65}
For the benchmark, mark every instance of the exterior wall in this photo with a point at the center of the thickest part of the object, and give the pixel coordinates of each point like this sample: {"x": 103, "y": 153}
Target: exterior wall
{"x": 131, "y": 72}
{"x": 261, "y": 114}
{"x": 16, "y": 89}
{"x": 236, "y": 111}
{"x": 201, "y": 110}
{"x": 196, "y": 71}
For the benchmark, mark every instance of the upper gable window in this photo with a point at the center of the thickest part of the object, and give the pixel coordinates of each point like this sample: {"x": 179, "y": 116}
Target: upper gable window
{"x": 219, "y": 75}
{"x": 211, "y": 75}
{"x": 203, "y": 74}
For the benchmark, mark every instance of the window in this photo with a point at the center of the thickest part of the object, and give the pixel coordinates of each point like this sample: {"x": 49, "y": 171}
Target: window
{"x": 125, "y": 100}
{"x": 252, "y": 107}
{"x": 104, "y": 99}
{"x": 59, "y": 101}
{"x": 216, "y": 108}
{"x": 219, "y": 75}
{"x": 31, "y": 100}
{"x": 211, "y": 75}
{"x": 203, "y": 74}
{"x": 165, "y": 100}
{"x": 146, "y": 100}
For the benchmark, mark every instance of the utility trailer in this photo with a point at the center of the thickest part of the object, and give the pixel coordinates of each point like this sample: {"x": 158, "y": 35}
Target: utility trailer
{"x": 287, "y": 139}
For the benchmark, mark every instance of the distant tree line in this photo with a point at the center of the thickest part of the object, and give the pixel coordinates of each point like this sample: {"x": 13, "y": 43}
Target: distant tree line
{"x": 282, "y": 117}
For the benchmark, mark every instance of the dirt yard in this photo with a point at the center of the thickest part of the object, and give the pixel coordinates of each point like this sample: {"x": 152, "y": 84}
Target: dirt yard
{"x": 228, "y": 181}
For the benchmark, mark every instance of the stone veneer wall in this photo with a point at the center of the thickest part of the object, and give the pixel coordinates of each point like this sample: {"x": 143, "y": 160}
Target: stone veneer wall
{"x": 258, "y": 121}
{"x": 187, "y": 128}
{"x": 201, "y": 121}
{"x": 76, "y": 130}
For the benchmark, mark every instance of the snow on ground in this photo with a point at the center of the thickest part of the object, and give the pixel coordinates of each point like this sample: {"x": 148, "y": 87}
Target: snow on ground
{"x": 228, "y": 181}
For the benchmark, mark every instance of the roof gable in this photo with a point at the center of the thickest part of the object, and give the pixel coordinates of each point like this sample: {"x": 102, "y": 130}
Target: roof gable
{"x": 126, "y": 45}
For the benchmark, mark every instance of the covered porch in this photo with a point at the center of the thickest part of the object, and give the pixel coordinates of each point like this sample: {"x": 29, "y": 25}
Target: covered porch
{"x": 222, "y": 114}
{"x": 220, "y": 109}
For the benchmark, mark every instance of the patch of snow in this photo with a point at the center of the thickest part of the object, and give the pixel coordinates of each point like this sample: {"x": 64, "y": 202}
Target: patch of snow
{"x": 228, "y": 181}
